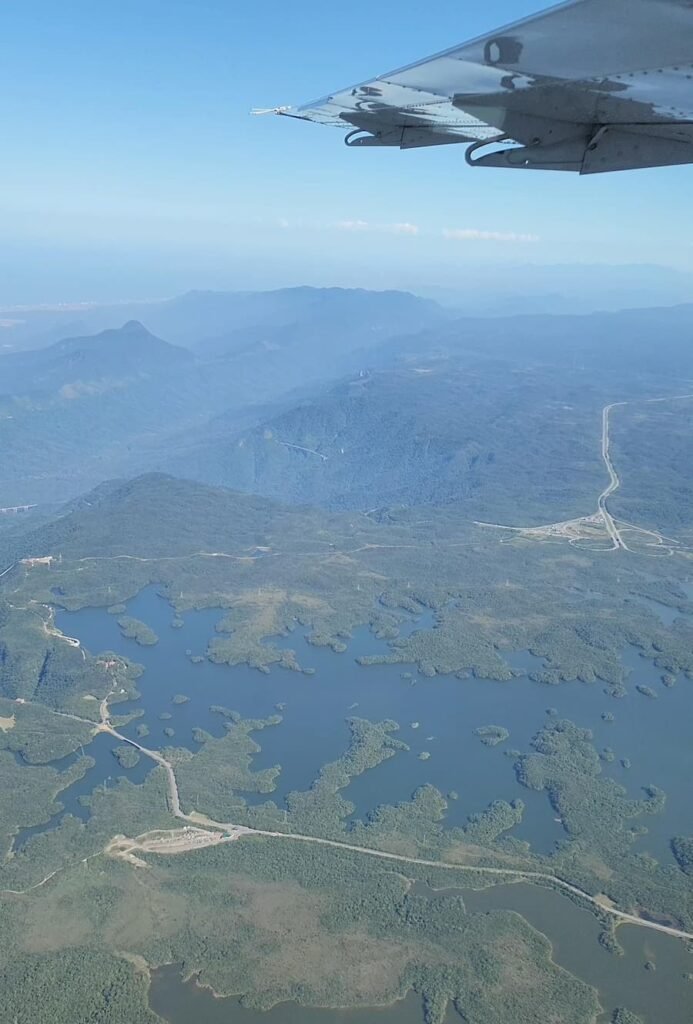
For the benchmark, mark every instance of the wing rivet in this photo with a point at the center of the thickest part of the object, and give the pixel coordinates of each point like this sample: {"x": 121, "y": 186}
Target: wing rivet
{"x": 469, "y": 93}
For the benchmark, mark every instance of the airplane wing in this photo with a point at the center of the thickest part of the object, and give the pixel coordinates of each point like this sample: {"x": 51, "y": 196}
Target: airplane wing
{"x": 588, "y": 86}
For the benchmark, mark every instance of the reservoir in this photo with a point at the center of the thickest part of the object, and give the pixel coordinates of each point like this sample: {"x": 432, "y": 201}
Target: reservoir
{"x": 660, "y": 996}
{"x": 438, "y": 717}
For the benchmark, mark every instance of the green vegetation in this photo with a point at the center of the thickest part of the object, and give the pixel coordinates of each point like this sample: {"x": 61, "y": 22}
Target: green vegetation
{"x": 230, "y": 911}
{"x": 402, "y": 437}
{"x": 321, "y": 926}
{"x": 401, "y": 563}
{"x": 487, "y": 828}
{"x": 28, "y": 793}
{"x": 682, "y": 848}
{"x": 421, "y": 943}
{"x": 138, "y": 631}
{"x": 322, "y": 810}
{"x": 623, "y": 1016}
{"x": 598, "y": 816}
{"x": 70, "y": 984}
{"x": 210, "y": 780}
{"x": 126, "y": 756}
{"x": 651, "y": 443}
{"x": 41, "y": 737}
{"x": 115, "y": 808}
{"x": 565, "y": 759}
{"x": 492, "y": 735}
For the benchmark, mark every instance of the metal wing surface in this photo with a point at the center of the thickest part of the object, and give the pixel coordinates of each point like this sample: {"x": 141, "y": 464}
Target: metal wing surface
{"x": 588, "y": 86}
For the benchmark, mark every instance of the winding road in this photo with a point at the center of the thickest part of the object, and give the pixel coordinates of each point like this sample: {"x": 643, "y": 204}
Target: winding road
{"x": 233, "y": 831}
{"x": 582, "y": 529}
{"x": 614, "y": 481}
{"x": 237, "y": 831}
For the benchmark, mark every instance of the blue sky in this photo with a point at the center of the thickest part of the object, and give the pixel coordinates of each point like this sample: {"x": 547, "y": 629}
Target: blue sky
{"x": 131, "y": 166}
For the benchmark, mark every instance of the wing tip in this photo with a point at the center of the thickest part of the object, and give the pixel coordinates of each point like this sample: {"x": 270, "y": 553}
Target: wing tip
{"x": 261, "y": 111}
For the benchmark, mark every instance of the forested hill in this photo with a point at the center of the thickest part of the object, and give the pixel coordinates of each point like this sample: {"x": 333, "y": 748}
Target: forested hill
{"x": 90, "y": 364}
{"x": 85, "y": 409}
{"x": 156, "y": 515}
{"x": 655, "y": 344}
{"x": 499, "y": 415}
{"x": 91, "y": 408}
{"x": 502, "y": 443}
{"x": 341, "y": 319}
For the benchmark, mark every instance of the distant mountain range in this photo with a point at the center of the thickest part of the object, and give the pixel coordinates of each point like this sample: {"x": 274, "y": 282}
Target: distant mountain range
{"x": 81, "y": 410}
{"x": 344, "y": 399}
{"x": 483, "y": 290}
{"x": 502, "y": 416}
{"x": 84, "y": 409}
{"x": 217, "y": 322}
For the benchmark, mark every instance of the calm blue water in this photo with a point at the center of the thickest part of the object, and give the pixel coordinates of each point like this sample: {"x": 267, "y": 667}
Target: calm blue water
{"x": 105, "y": 772}
{"x": 664, "y": 996}
{"x": 653, "y": 734}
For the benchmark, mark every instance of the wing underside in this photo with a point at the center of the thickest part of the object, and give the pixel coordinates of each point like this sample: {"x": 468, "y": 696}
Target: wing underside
{"x": 588, "y": 86}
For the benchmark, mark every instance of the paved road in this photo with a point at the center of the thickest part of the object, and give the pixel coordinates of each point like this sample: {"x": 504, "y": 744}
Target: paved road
{"x": 530, "y": 876}
{"x": 242, "y": 830}
{"x": 614, "y": 481}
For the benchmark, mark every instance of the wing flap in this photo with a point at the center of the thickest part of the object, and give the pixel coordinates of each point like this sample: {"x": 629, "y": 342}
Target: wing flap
{"x": 555, "y": 77}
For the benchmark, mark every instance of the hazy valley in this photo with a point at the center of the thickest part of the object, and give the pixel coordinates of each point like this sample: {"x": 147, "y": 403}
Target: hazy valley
{"x": 322, "y": 633}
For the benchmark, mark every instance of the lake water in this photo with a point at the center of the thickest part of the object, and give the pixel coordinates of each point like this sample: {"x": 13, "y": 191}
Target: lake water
{"x": 654, "y": 734}
{"x": 662, "y": 996}
{"x": 183, "y": 1002}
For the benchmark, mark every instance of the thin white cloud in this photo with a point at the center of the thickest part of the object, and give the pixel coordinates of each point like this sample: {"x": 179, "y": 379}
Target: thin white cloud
{"x": 353, "y": 225}
{"x": 475, "y": 235}
{"x": 400, "y": 228}
{"x": 403, "y": 229}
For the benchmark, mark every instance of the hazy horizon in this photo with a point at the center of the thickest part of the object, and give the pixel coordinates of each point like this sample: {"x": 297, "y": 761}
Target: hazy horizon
{"x": 594, "y": 285}
{"x": 136, "y": 169}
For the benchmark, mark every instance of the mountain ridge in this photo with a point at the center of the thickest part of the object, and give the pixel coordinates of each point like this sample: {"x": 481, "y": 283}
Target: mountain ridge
{"x": 119, "y": 352}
